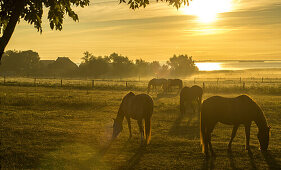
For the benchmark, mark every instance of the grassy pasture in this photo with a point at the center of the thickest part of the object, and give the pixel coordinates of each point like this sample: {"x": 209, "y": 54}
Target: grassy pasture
{"x": 70, "y": 128}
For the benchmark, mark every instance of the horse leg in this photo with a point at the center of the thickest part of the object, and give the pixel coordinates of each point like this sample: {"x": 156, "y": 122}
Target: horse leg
{"x": 129, "y": 126}
{"x": 182, "y": 108}
{"x": 247, "y": 132}
{"x": 209, "y": 134}
{"x": 141, "y": 130}
{"x": 193, "y": 107}
{"x": 234, "y": 130}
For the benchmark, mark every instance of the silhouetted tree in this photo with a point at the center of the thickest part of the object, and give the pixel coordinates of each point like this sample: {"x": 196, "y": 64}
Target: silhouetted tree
{"x": 164, "y": 71}
{"x": 12, "y": 11}
{"x": 121, "y": 66}
{"x": 181, "y": 65}
{"x": 19, "y": 62}
{"x": 142, "y": 67}
{"x": 155, "y": 68}
{"x": 94, "y": 66}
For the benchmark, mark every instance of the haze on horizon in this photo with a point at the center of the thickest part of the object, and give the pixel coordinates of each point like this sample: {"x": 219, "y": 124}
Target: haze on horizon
{"x": 223, "y": 29}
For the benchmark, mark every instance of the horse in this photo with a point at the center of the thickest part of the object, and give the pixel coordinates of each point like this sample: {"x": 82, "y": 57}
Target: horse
{"x": 137, "y": 107}
{"x": 175, "y": 82}
{"x": 157, "y": 82}
{"x": 232, "y": 111}
{"x": 188, "y": 95}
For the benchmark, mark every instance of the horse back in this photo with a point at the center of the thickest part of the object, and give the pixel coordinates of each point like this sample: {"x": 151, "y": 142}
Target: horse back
{"x": 238, "y": 110}
{"x": 139, "y": 107}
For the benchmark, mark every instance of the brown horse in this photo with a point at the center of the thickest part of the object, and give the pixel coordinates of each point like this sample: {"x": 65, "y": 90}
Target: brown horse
{"x": 137, "y": 107}
{"x": 232, "y": 111}
{"x": 157, "y": 82}
{"x": 188, "y": 96}
{"x": 175, "y": 82}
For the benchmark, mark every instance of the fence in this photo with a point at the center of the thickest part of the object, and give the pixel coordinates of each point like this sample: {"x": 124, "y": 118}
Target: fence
{"x": 210, "y": 84}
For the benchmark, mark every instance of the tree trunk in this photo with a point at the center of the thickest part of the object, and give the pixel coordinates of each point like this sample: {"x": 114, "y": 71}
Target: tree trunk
{"x": 8, "y": 32}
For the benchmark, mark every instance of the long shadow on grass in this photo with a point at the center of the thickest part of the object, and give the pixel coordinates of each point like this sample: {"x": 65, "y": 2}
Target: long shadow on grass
{"x": 271, "y": 161}
{"x": 208, "y": 163}
{"x": 134, "y": 160}
{"x": 188, "y": 130}
{"x": 165, "y": 95}
{"x": 233, "y": 162}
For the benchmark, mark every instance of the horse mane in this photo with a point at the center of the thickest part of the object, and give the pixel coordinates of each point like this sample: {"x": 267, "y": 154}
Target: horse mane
{"x": 120, "y": 110}
{"x": 261, "y": 120}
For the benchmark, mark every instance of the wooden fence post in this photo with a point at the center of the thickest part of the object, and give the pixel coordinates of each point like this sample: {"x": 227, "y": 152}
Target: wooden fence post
{"x": 262, "y": 79}
{"x": 4, "y": 80}
{"x": 126, "y": 84}
{"x": 194, "y": 80}
{"x": 243, "y": 85}
{"x": 93, "y": 83}
{"x": 240, "y": 80}
{"x": 61, "y": 82}
{"x": 34, "y": 81}
{"x": 217, "y": 81}
{"x": 203, "y": 85}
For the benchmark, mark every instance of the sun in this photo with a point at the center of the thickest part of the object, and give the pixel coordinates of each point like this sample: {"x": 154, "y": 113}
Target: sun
{"x": 207, "y": 10}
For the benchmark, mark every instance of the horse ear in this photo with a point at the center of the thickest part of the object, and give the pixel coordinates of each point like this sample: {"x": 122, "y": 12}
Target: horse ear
{"x": 113, "y": 119}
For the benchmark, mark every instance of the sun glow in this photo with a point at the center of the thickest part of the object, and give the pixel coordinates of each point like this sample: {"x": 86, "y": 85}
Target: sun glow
{"x": 207, "y": 10}
{"x": 208, "y": 66}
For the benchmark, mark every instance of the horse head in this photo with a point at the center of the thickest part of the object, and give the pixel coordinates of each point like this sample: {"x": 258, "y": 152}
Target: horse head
{"x": 117, "y": 128}
{"x": 263, "y": 136}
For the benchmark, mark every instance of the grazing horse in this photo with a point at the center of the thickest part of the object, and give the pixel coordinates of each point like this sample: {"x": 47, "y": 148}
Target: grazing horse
{"x": 232, "y": 111}
{"x": 157, "y": 82}
{"x": 137, "y": 107}
{"x": 175, "y": 82}
{"x": 188, "y": 96}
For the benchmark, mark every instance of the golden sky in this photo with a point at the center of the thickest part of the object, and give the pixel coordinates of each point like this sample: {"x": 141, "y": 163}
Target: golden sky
{"x": 207, "y": 29}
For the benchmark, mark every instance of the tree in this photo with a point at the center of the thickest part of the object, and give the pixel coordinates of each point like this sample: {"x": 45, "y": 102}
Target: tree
{"x": 20, "y": 62}
{"x": 142, "y": 67}
{"x": 155, "y": 68}
{"x": 181, "y": 65}
{"x": 134, "y": 4}
{"x": 12, "y": 11}
{"x": 122, "y": 66}
{"x": 94, "y": 66}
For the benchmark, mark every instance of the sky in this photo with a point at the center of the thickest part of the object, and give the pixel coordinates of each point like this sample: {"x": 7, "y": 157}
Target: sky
{"x": 206, "y": 30}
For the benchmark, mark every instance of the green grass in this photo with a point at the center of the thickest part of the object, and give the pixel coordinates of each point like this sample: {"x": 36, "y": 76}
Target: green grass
{"x": 68, "y": 128}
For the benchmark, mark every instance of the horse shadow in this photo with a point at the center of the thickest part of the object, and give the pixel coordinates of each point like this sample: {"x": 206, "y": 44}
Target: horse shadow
{"x": 190, "y": 129}
{"x": 270, "y": 160}
{"x": 135, "y": 159}
{"x": 233, "y": 162}
{"x": 165, "y": 95}
{"x": 208, "y": 163}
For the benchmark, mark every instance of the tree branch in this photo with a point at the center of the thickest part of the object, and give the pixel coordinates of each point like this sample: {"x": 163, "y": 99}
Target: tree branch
{"x": 8, "y": 32}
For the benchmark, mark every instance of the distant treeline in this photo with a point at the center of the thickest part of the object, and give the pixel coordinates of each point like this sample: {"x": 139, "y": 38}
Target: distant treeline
{"x": 28, "y": 63}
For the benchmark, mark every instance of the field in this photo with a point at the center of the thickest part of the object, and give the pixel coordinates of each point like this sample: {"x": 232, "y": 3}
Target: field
{"x": 70, "y": 128}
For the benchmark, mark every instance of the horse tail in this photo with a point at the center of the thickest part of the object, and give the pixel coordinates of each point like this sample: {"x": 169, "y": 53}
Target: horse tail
{"x": 147, "y": 125}
{"x": 203, "y": 128}
{"x": 148, "y": 130}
